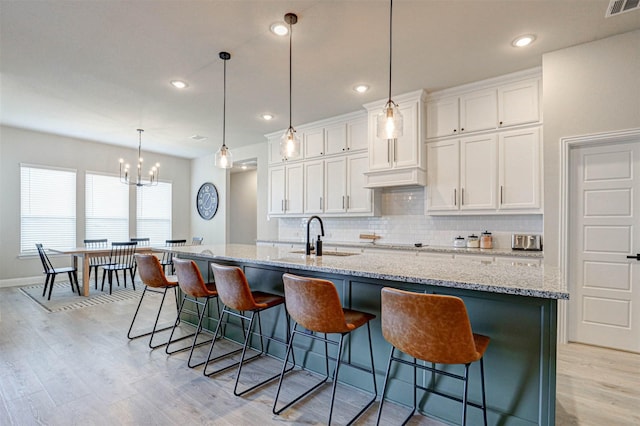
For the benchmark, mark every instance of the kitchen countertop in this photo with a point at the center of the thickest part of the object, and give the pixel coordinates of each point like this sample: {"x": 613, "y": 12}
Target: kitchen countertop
{"x": 517, "y": 279}
{"x": 425, "y": 248}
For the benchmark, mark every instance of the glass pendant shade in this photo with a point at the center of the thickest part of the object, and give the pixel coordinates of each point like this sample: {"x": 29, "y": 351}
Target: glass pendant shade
{"x": 290, "y": 144}
{"x": 389, "y": 125}
{"x": 224, "y": 158}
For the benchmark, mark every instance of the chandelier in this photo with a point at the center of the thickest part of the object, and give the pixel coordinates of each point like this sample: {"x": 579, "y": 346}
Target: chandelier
{"x": 138, "y": 179}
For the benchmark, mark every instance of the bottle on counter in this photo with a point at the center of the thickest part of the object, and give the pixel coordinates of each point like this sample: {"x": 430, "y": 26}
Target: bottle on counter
{"x": 473, "y": 241}
{"x": 459, "y": 242}
{"x": 486, "y": 240}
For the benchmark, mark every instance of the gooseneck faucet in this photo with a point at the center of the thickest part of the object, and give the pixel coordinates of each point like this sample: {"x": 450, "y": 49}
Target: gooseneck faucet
{"x": 309, "y": 245}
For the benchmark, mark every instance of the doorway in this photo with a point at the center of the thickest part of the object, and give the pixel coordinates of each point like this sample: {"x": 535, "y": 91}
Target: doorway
{"x": 603, "y": 238}
{"x": 243, "y": 188}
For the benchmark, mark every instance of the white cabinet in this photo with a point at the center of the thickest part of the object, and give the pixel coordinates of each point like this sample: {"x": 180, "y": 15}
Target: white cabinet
{"x": 314, "y": 187}
{"x": 313, "y": 142}
{"x": 286, "y": 189}
{"x": 519, "y": 169}
{"x": 344, "y": 191}
{"x": 462, "y": 174}
{"x": 273, "y": 142}
{"x": 359, "y": 199}
{"x": 518, "y": 103}
{"x": 357, "y": 134}
{"x": 401, "y": 161}
{"x": 335, "y": 137}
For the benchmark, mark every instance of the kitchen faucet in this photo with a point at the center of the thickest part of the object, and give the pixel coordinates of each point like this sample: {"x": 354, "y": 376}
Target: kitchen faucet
{"x": 309, "y": 245}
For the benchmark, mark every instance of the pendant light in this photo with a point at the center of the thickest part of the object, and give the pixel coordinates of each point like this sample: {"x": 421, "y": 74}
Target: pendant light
{"x": 224, "y": 158}
{"x": 290, "y": 143}
{"x": 390, "y": 119}
{"x": 125, "y": 176}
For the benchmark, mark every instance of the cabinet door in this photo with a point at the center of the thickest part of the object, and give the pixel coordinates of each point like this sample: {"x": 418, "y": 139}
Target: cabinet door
{"x": 379, "y": 149}
{"x": 519, "y": 169}
{"x": 359, "y": 198}
{"x": 335, "y": 185}
{"x": 478, "y": 111}
{"x": 442, "y": 117}
{"x": 357, "y": 135}
{"x": 274, "y": 150}
{"x": 478, "y": 170}
{"x": 443, "y": 168}
{"x": 276, "y": 190}
{"x": 336, "y": 139}
{"x": 294, "y": 189}
{"x": 313, "y": 143}
{"x": 407, "y": 148}
{"x": 518, "y": 103}
{"x": 314, "y": 186}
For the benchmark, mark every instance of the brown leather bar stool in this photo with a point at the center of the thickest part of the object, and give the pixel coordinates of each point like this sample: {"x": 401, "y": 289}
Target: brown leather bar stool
{"x": 314, "y": 304}
{"x": 198, "y": 292}
{"x": 155, "y": 281}
{"x": 436, "y": 329}
{"x": 239, "y": 301}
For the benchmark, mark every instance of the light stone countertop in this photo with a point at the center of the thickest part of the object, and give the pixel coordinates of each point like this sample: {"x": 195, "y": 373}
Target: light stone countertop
{"x": 424, "y": 249}
{"x": 509, "y": 278}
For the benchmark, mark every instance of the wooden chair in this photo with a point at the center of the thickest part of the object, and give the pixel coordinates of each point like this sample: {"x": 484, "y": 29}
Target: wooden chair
{"x": 167, "y": 256}
{"x": 96, "y": 261}
{"x": 155, "y": 281}
{"x": 436, "y": 329}
{"x": 314, "y": 304}
{"x": 240, "y": 301}
{"x": 142, "y": 242}
{"x": 120, "y": 259}
{"x": 51, "y": 273}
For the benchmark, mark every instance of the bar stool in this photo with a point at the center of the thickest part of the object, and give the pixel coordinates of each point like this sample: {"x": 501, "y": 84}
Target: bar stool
{"x": 154, "y": 281}
{"x": 436, "y": 329}
{"x": 195, "y": 290}
{"x": 239, "y": 301}
{"x": 314, "y": 304}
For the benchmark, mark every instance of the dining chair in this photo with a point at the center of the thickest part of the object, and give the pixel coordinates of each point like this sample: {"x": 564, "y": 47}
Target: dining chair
{"x": 167, "y": 256}
{"x": 121, "y": 258}
{"x": 51, "y": 272}
{"x": 96, "y": 261}
{"x": 196, "y": 241}
{"x": 142, "y": 242}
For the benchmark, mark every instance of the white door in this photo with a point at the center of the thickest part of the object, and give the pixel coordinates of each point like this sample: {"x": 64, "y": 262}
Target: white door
{"x": 604, "y": 212}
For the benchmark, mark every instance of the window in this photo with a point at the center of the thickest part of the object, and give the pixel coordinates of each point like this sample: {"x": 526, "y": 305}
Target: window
{"x": 154, "y": 213}
{"x": 106, "y": 208}
{"x": 47, "y": 208}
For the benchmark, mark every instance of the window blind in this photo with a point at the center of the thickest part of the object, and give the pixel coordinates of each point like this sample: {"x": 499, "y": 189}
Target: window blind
{"x": 106, "y": 208}
{"x": 47, "y": 208}
{"x": 154, "y": 213}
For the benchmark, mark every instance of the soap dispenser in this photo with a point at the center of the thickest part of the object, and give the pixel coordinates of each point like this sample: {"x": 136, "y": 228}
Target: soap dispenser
{"x": 318, "y": 246}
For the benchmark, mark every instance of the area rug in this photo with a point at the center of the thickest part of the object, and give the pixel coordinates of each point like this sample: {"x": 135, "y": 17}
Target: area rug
{"x": 62, "y": 299}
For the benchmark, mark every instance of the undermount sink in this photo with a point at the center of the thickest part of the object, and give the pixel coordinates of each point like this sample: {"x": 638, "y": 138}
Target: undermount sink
{"x": 328, "y": 253}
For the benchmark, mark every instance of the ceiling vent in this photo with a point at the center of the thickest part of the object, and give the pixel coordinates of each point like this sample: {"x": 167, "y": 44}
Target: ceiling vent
{"x": 617, "y": 7}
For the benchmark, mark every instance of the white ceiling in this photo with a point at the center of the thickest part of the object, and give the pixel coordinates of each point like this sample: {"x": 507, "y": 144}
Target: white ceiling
{"x": 100, "y": 69}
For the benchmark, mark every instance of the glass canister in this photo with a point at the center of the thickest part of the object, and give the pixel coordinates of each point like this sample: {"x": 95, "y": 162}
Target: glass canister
{"x": 459, "y": 242}
{"x": 486, "y": 240}
{"x": 473, "y": 241}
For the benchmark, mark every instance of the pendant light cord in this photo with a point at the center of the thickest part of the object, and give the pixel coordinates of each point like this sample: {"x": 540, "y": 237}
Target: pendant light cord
{"x": 390, "y": 45}
{"x": 290, "y": 71}
{"x": 224, "y": 103}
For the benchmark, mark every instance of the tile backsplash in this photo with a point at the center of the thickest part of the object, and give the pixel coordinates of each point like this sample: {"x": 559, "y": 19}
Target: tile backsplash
{"x": 403, "y": 222}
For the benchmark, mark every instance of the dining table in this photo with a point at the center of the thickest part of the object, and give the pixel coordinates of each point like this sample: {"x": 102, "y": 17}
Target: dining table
{"x": 86, "y": 254}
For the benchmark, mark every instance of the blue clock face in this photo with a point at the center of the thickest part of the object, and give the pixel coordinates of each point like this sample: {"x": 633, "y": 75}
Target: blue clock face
{"x": 207, "y": 201}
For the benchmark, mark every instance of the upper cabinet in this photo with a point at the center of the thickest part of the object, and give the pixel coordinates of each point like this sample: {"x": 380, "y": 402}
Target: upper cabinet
{"x": 401, "y": 161}
{"x": 500, "y": 103}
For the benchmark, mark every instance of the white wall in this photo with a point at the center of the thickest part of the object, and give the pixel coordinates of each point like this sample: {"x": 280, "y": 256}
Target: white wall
{"x": 23, "y": 146}
{"x": 243, "y": 207}
{"x": 590, "y": 88}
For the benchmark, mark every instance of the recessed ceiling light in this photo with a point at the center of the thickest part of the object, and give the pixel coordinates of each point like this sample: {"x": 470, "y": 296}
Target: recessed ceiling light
{"x": 198, "y": 138}
{"x": 179, "y": 84}
{"x": 524, "y": 40}
{"x": 361, "y": 88}
{"x": 267, "y": 117}
{"x": 244, "y": 167}
{"x": 279, "y": 28}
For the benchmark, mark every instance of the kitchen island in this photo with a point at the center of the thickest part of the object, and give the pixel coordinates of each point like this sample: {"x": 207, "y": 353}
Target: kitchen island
{"x": 515, "y": 305}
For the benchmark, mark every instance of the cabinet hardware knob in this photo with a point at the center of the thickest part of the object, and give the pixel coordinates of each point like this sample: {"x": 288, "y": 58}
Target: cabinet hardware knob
{"x": 501, "y": 123}
{"x": 455, "y": 130}
{"x": 462, "y": 130}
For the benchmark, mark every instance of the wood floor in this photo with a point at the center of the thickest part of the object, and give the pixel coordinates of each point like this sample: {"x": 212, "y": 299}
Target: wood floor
{"x": 78, "y": 367}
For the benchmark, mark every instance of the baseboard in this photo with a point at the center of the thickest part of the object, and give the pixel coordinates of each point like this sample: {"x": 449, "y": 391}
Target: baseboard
{"x": 17, "y": 282}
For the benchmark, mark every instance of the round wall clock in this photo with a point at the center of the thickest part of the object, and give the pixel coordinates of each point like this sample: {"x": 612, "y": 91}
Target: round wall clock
{"x": 207, "y": 201}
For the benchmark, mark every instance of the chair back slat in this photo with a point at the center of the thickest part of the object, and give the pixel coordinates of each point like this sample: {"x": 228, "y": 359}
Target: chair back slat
{"x": 430, "y": 327}
{"x": 167, "y": 256}
{"x": 123, "y": 253}
{"x": 141, "y": 241}
{"x": 233, "y": 288}
{"x": 47, "y": 266}
{"x": 96, "y": 244}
